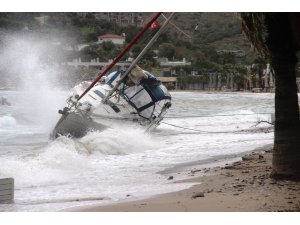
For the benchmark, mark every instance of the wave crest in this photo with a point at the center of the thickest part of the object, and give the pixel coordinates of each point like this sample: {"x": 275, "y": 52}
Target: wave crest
{"x": 7, "y": 121}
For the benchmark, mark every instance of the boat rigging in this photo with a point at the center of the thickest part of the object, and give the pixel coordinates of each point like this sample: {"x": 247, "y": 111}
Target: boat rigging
{"x": 129, "y": 95}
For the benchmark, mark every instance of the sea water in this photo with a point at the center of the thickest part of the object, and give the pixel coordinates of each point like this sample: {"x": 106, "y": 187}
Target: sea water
{"x": 121, "y": 163}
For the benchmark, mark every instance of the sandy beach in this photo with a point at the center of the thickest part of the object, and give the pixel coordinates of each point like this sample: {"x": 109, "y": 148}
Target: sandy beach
{"x": 244, "y": 185}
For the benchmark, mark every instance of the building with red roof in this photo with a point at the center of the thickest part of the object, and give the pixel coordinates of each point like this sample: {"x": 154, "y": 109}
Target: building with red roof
{"x": 114, "y": 38}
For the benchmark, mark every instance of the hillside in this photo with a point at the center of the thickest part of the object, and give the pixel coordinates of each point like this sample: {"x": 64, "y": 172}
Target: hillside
{"x": 219, "y": 30}
{"x": 215, "y": 33}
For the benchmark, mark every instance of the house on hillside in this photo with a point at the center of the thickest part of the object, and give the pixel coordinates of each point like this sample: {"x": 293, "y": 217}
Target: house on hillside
{"x": 237, "y": 53}
{"x": 114, "y": 38}
{"x": 42, "y": 19}
{"x": 170, "y": 82}
{"x": 164, "y": 62}
{"x": 169, "y": 67}
{"x": 124, "y": 18}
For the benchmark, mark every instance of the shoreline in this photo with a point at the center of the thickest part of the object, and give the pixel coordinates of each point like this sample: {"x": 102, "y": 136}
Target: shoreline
{"x": 215, "y": 161}
{"x": 218, "y": 91}
{"x": 243, "y": 185}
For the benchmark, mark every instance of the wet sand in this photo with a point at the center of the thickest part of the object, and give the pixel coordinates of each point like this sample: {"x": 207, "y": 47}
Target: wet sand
{"x": 244, "y": 185}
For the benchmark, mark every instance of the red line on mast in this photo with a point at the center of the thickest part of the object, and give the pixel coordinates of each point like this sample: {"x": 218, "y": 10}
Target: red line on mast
{"x": 133, "y": 41}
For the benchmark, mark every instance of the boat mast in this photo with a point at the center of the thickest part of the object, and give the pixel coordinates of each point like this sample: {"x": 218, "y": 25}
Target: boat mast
{"x": 147, "y": 47}
{"x": 133, "y": 41}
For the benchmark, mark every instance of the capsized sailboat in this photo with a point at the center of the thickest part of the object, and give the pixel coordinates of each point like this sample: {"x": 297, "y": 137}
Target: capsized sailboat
{"x": 132, "y": 95}
{"x": 140, "y": 99}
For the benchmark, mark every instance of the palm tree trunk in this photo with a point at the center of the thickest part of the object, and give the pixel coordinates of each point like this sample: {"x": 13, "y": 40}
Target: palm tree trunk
{"x": 231, "y": 82}
{"x": 286, "y": 155}
{"x": 277, "y": 36}
{"x": 281, "y": 44}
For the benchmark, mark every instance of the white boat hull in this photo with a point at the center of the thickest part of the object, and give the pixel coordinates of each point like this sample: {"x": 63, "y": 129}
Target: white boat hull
{"x": 143, "y": 104}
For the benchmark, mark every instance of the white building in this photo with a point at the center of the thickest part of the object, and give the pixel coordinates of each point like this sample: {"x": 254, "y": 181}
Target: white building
{"x": 164, "y": 62}
{"x": 42, "y": 19}
{"x": 114, "y": 38}
{"x": 124, "y": 18}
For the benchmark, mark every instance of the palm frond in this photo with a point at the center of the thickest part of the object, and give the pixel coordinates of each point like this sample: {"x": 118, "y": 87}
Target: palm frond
{"x": 254, "y": 28}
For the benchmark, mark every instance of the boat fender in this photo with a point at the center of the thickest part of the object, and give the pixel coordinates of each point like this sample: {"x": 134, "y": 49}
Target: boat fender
{"x": 73, "y": 99}
{"x": 64, "y": 111}
{"x": 168, "y": 105}
{"x": 102, "y": 80}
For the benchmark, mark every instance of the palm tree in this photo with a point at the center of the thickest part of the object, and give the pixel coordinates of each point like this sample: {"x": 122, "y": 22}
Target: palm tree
{"x": 240, "y": 75}
{"x": 228, "y": 70}
{"x": 277, "y": 37}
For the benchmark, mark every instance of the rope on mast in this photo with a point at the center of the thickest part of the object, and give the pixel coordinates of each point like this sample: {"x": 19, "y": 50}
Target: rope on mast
{"x": 177, "y": 28}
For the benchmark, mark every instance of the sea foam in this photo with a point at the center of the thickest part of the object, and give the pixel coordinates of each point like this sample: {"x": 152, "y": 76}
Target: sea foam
{"x": 7, "y": 121}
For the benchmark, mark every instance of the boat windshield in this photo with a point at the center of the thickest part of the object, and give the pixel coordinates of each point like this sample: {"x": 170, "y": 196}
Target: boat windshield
{"x": 144, "y": 96}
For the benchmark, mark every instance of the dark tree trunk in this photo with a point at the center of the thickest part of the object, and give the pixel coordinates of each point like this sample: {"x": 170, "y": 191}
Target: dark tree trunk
{"x": 286, "y": 156}
{"x": 281, "y": 44}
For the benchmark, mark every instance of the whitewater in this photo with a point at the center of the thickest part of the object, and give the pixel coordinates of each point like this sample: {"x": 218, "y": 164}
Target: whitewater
{"x": 121, "y": 163}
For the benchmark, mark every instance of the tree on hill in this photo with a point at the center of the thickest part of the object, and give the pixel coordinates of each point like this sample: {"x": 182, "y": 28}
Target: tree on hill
{"x": 166, "y": 50}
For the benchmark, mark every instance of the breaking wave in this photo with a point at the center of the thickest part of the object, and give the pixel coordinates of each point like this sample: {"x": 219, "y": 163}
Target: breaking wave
{"x": 117, "y": 141}
{"x": 7, "y": 121}
{"x": 65, "y": 159}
